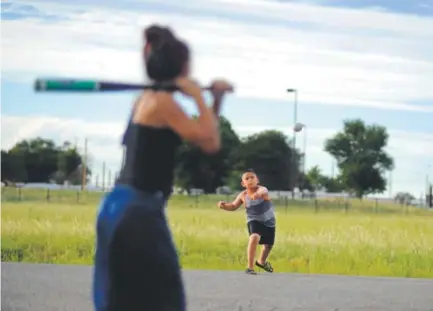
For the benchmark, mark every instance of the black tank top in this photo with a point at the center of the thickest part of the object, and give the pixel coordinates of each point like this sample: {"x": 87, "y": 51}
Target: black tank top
{"x": 150, "y": 158}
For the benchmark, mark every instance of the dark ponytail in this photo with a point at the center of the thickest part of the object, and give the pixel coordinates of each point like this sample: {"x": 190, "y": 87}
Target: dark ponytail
{"x": 167, "y": 56}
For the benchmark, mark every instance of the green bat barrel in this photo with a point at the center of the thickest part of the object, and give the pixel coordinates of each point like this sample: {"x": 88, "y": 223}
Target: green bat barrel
{"x": 46, "y": 85}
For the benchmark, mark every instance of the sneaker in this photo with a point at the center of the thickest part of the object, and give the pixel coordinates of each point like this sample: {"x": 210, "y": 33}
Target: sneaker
{"x": 250, "y": 271}
{"x": 266, "y": 266}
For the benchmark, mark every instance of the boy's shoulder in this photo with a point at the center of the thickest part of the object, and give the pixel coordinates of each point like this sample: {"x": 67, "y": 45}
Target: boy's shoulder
{"x": 242, "y": 194}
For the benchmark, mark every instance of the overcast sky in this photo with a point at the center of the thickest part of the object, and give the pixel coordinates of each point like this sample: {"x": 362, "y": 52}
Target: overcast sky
{"x": 372, "y": 60}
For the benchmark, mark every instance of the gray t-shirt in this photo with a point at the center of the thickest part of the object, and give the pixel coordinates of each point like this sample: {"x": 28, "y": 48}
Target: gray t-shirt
{"x": 260, "y": 210}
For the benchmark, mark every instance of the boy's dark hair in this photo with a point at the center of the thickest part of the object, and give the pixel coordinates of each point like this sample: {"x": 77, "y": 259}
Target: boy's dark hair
{"x": 168, "y": 55}
{"x": 248, "y": 170}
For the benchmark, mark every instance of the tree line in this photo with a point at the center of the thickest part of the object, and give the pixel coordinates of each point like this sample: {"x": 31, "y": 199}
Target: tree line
{"x": 358, "y": 150}
{"x": 40, "y": 160}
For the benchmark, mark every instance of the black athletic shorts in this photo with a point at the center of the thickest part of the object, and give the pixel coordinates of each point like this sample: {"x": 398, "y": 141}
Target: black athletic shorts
{"x": 267, "y": 234}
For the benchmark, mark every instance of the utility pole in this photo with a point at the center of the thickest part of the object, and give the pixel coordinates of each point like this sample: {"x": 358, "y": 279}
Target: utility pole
{"x": 305, "y": 150}
{"x": 332, "y": 169}
{"x": 103, "y": 176}
{"x": 390, "y": 184}
{"x": 84, "y": 167}
{"x": 295, "y": 120}
{"x": 109, "y": 182}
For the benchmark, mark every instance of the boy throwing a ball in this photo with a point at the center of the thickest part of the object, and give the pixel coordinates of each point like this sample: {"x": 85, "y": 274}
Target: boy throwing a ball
{"x": 260, "y": 219}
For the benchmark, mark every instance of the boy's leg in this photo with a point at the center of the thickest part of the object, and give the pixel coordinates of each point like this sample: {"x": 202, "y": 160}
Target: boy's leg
{"x": 253, "y": 241}
{"x": 267, "y": 241}
{"x": 266, "y": 250}
{"x": 252, "y": 246}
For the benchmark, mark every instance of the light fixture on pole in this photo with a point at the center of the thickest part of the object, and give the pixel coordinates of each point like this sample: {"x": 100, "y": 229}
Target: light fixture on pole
{"x": 298, "y": 127}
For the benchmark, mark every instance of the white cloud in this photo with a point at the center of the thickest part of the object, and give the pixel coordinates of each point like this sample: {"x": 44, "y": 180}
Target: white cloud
{"x": 410, "y": 150}
{"x": 426, "y": 6}
{"x": 343, "y": 57}
{"x": 335, "y": 56}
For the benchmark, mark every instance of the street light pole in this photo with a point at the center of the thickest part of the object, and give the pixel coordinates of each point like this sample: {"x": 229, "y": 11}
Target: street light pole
{"x": 428, "y": 199}
{"x": 295, "y": 111}
{"x": 295, "y": 120}
{"x": 305, "y": 148}
{"x": 84, "y": 167}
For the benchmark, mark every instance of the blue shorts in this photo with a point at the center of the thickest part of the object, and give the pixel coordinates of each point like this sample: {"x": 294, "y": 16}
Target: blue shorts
{"x": 136, "y": 265}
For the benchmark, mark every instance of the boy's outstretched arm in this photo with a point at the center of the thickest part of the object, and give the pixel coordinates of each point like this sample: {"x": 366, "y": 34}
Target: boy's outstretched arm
{"x": 262, "y": 192}
{"x": 234, "y": 205}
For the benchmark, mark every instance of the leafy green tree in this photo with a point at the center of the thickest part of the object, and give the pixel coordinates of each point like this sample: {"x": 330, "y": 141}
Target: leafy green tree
{"x": 314, "y": 176}
{"x": 319, "y": 181}
{"x": 332, "y": 185}
{"x": 13, "y": 168}
{"x": 196, "y": 169}
{"x": 360, "y": 155}
{"x": 69, "y": 161}
{"x": 269, "y": 154}
{"x": 404, "y": 198}
{"x": 40, "y": 160}
{"x": 304, "y": 182}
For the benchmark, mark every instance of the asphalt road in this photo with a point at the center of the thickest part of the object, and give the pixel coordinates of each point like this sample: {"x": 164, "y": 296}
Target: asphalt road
{"x": 40, "y": 287}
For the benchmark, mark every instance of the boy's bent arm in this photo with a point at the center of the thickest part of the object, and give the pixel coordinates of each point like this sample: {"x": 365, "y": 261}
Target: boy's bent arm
{"x": 262, "y": 191}
{"x": 235, "y": 204}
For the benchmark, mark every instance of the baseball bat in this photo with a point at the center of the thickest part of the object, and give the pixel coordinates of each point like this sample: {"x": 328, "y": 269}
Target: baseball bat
{"x": 93, "y": 86}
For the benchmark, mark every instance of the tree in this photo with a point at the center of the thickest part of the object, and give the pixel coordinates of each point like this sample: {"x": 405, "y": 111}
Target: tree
{"x": 68, "y": 162}
{"x": 319, "y": 181}
{"x": 41, "y": 160}
{"x": 404, "y": 198}
{"x": 195, "y": 169}
{"x": 304, "y": 182}
{"x": 332, "y": 185}
{"x": 314, "y": 176}
{"x": 269, "y": 154}
{"x": 13, "y": 167}
{"x": 360, "y": 155}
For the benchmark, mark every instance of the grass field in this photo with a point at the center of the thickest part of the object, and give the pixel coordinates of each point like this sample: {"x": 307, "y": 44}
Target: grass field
{"x": 331, "y": 241}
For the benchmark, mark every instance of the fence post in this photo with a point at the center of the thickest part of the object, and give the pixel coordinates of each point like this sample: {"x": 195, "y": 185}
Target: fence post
{"x": 286, "y": 204}
{"x": 316, "y": 206}
{"x": 78, "y": 196}
{"x": 20, "y": 194}
{"x": 196, "y": 200}
{"x": 48, "y": 194}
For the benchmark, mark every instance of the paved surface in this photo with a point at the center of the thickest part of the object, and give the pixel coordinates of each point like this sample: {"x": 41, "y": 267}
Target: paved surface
{"x": 63, "y": 287}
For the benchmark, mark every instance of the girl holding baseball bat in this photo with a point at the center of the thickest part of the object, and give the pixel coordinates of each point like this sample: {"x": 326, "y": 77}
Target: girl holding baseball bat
{"x": 136, "y": 264}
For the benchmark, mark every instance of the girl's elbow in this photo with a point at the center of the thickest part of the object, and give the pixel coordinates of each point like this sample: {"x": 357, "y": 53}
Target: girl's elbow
{"x": 212, "y": 147}
{"x": 211, "y": 142}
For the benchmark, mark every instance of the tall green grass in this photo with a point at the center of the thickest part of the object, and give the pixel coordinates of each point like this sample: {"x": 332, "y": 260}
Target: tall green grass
{"x": 329, "y": 241}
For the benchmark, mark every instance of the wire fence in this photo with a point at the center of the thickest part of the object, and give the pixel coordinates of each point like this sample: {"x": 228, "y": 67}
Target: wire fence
{"x": 282, "y": 201}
